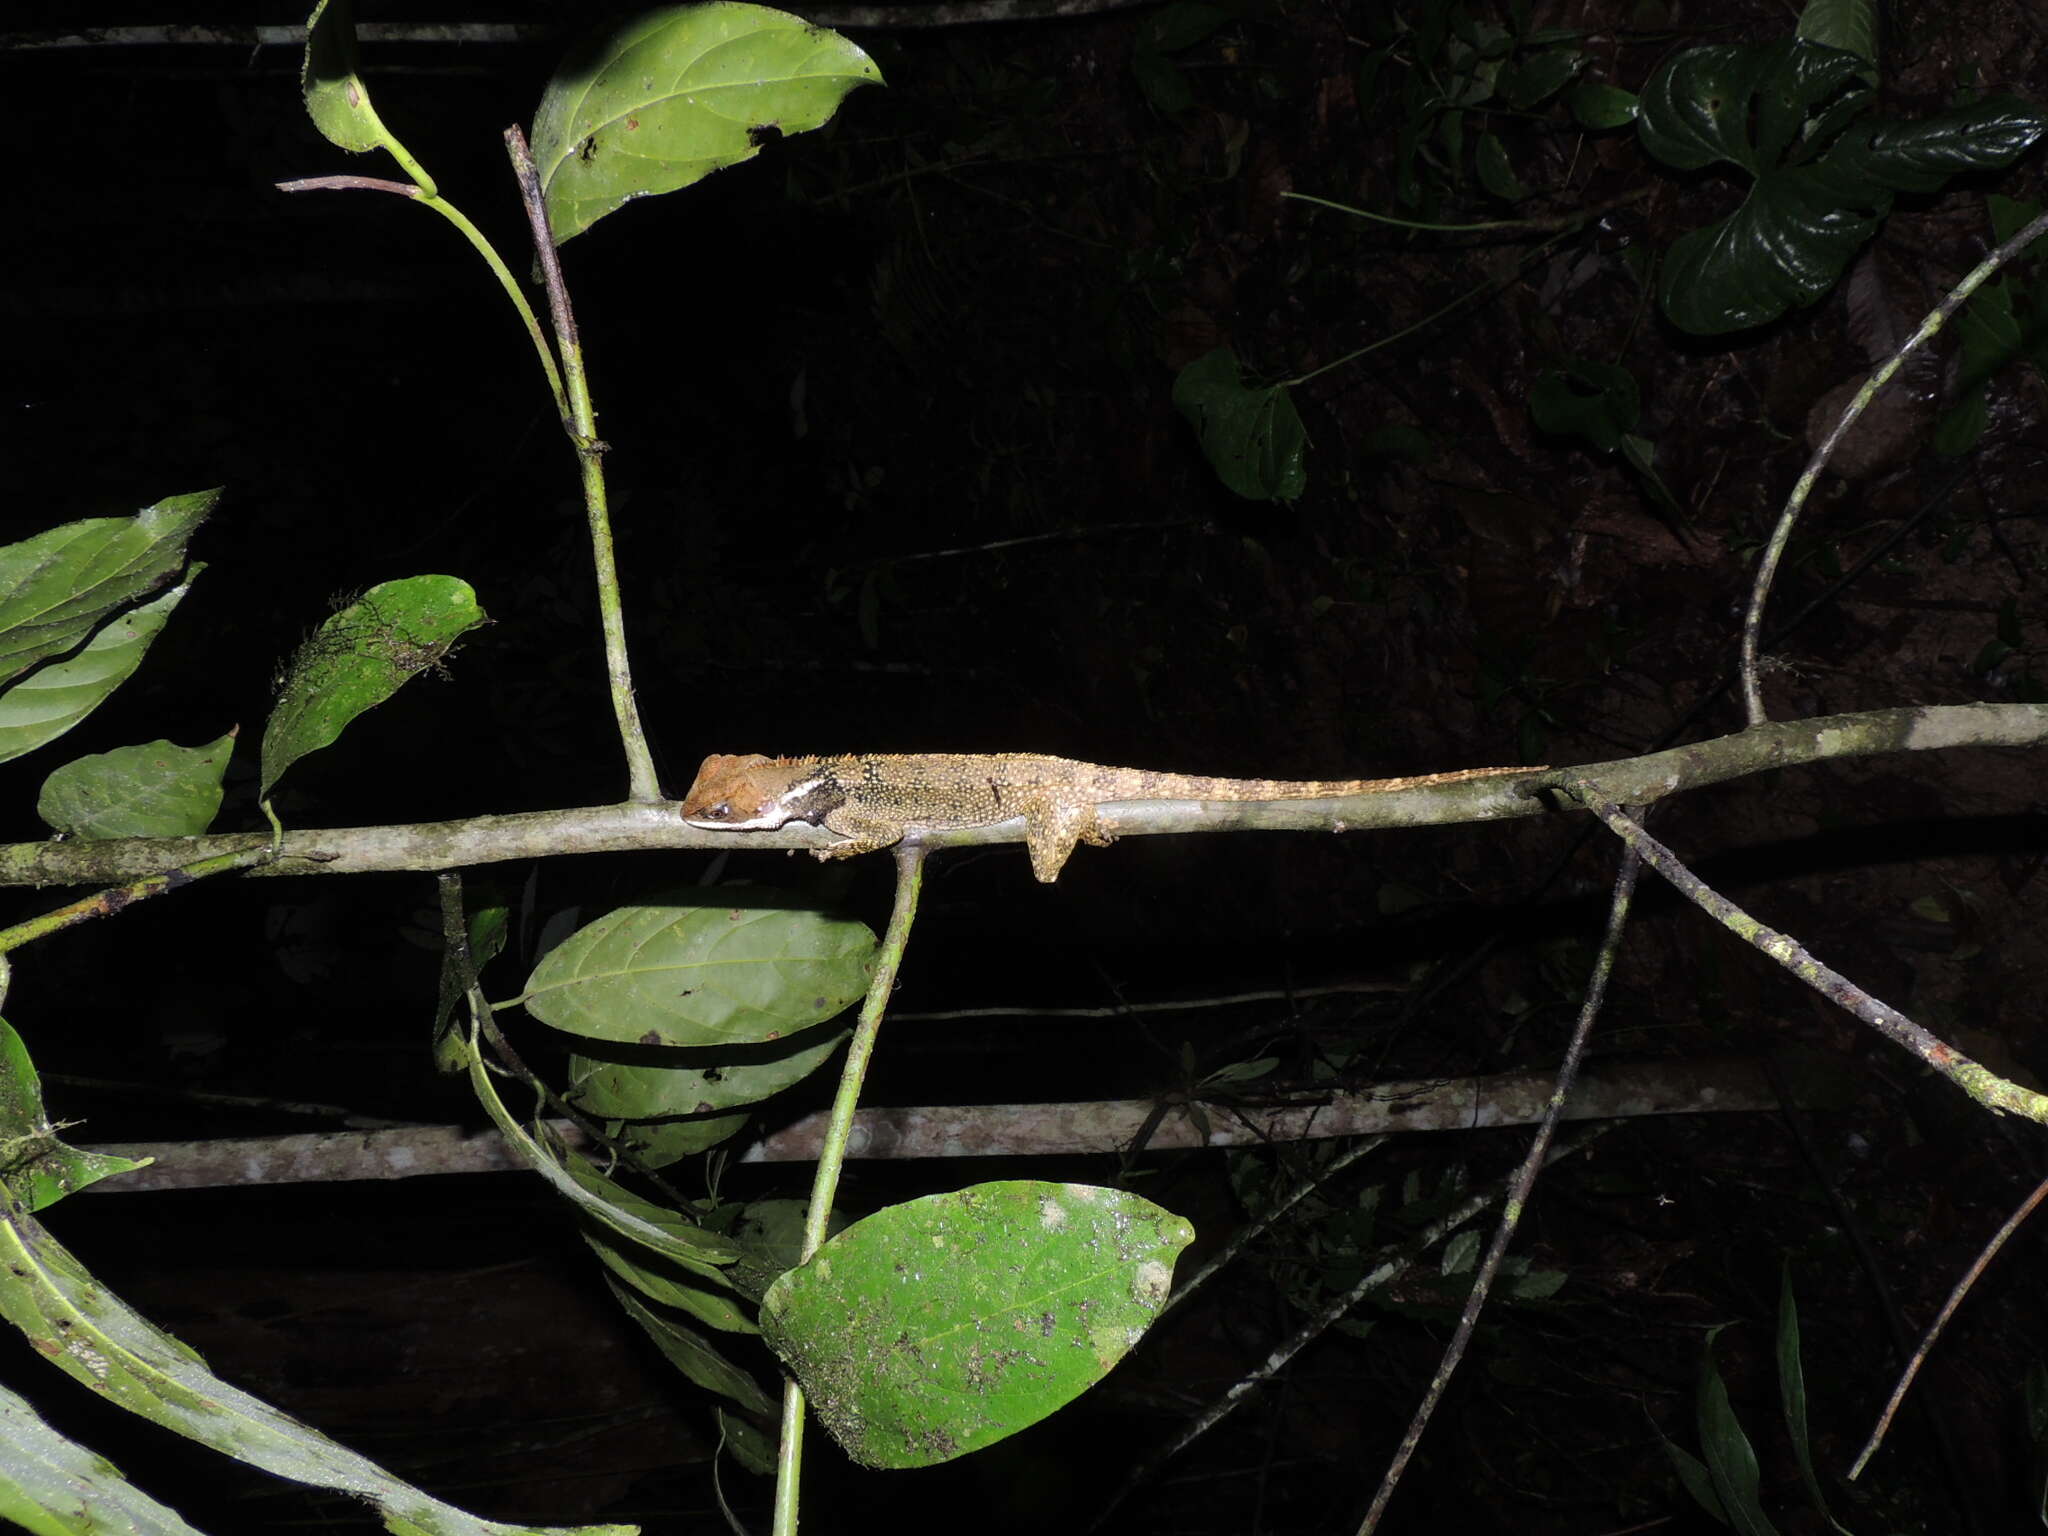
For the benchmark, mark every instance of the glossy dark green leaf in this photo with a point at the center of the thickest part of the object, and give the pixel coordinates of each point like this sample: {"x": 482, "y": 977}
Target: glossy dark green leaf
{"x": 1782, "y": 111}
{"x": 1252, "y": 437}
{"x": 1599, "y": 106}
{"x": 675, "y": 94}
{"x": 1850, "y": 25}
{"x": 155, "y": 790}
{"x": 702, "y": 975}
{"x": 941, "y": 1326}
{"x": 1542, "y": 75}
{"x": 1740, "y": 103}
{"x": 360, "y": 657}
{"x": 59, "y": 586}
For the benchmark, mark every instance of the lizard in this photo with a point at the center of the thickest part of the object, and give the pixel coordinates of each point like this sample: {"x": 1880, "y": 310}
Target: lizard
{"x": 872, "y": 801}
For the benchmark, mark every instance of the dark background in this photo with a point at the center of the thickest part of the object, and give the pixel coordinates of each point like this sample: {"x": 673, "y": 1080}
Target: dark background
{"x": 947, "y": 324}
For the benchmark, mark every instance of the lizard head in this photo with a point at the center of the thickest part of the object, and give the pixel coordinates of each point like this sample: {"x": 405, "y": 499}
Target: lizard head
{"x": 753, "y": 793}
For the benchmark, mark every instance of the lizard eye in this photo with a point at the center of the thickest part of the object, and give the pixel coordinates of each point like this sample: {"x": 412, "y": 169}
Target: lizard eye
{"x": 719, "y": 812}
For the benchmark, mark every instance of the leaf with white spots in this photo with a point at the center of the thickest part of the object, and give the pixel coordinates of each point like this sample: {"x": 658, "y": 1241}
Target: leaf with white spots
{"x": 943, "y": 1325}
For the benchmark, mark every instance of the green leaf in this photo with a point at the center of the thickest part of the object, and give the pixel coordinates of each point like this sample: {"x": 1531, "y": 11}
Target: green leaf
{"x": 671, "y": 96}
{"x": 1792, "y": 1393}
{"x": 57, "y": 587}
{"x": 1490, "y": 159}
{"x": 1162, "y": 81}
{"x": 35, "y": 1167}
{"x": 695, "y": 975}
{"x": 692, "y": 1354}
{"x": 1783, "y": 248}
{"x": 155, "y": 790}
{"x": 1583, "y": 398}
{"x": 51, "y": 1486}
{"x": 56, "y": 696}
{"x": 659, "y": 1143}
{"x": 1598, "y": 106}
{"x": 1730, "y": 1458}
{"x": 359, "y": 658}
{"x": 1698, "y": 106}
{"x": 1850, "y": 25}
{"x": 1184, "y": 23}
{"x": 1821, "y": 188}
{"x": 336, "y": 98}
{"x": 750, "y": 1445}
{"x": 1252, "y": 437}
{"x": 636, "y": 1220}
{"x": 709, "y": 1298}
{"x": 1698, "y": 1481}
{"x": 1542, "y": 75}
{"x": 938, "y": 1327}
{"x": 652, "y": 1083}
{"x": 91, "y": 1335}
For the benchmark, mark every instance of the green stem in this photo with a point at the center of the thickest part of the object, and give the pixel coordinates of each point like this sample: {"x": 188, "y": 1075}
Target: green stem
{"x": 510, "y": 284}
{"x": 860, "y": 1051}
{"x": 580, "y": 421}
{"x": 107, "y": 903}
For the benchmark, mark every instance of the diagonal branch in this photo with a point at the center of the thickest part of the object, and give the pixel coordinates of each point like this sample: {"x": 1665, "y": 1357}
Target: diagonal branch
{"x": 1973, "y": 1077}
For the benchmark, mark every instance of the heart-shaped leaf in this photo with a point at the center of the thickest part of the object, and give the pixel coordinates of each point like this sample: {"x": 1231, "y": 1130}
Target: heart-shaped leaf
{"x": 1252, "y": 437}
{"x": 1782, "y": 112}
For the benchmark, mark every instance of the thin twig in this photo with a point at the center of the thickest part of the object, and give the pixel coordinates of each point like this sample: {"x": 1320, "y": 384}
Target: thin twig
{"x": 1948, "y": 1310}
{"x": 1781, "y": 535}
{"x": 1974, "y": 1078}
{"x": 1393, "y": 1263}
{"x": 1252, "y": 1230}
{"x": 1518, "y": 1192}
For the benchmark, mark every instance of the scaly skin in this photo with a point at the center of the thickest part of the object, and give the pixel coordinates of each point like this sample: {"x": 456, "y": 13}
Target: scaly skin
{"x": 871, "y": 801}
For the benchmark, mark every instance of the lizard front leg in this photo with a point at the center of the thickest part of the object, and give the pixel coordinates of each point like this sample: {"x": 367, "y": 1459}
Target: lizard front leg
{"x": 863, "y": 831}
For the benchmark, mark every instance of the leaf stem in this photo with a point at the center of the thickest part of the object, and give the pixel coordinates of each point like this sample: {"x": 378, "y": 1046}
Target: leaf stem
{"x": 860, "y": 1051}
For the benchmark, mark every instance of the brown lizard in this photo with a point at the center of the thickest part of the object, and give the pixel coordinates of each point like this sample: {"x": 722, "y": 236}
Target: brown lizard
{"x": 872, "y": 801}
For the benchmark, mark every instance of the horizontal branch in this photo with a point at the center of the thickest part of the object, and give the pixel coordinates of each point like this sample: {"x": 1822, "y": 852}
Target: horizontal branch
{"x": 989, "y": 1130}
{"x": 620, "y": 828}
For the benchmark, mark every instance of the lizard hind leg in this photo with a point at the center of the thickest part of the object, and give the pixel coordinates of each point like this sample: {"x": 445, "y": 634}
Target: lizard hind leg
{"x": 1052, "y": 827}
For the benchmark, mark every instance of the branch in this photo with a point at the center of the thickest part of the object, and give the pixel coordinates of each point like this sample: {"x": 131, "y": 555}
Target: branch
{"x": 630, "y": 827}
{"x": 1728, "y": 1086}
{"x": 1995, "y": 1093}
